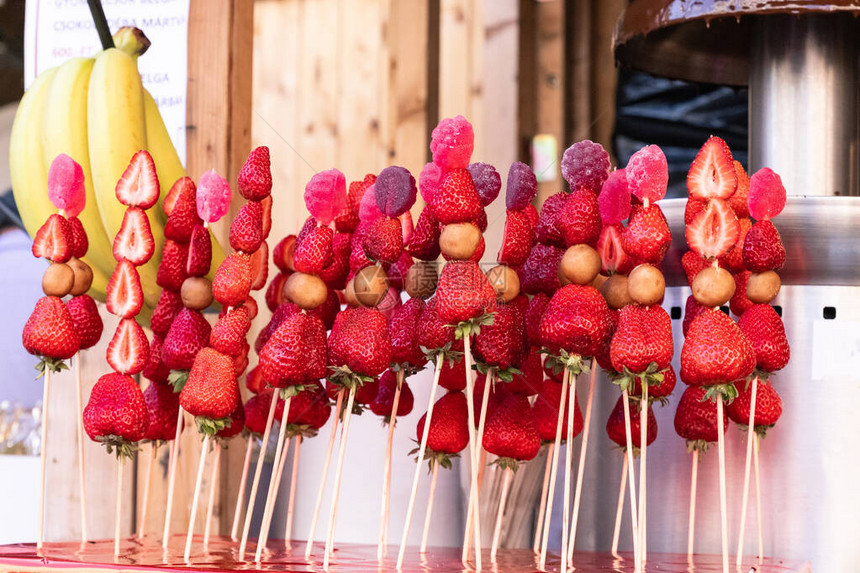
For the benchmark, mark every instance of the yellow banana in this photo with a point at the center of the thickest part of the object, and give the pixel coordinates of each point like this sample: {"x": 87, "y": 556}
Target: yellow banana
{"x": 64, "y": 130}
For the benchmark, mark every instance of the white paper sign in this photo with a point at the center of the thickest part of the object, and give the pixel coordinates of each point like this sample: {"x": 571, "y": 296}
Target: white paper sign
{"x": 56, "y": 30}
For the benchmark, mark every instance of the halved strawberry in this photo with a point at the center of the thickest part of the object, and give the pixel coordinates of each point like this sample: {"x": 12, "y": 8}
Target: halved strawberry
{"x": 124, "y": 294}
{"x": 714, "y": 231}
{"x": 134, "y": 240}
{"x": 128, "y": 350}
{"x": 712, "y": 174}
{"x": 79, "y": 241}
{"x": 612, "y": 254}
{"x": 138, "y": 186}
{"x": 282, "y": 254}
{"x": 173, "y": 195}
{"x": 693, "y": 208}
{"x": 266, "y": 204}
{"x": 199, "y": 252}
{"x": 517, "y": 239}
{"x": 53, "y": 240}
{"x": 733, "y": 260}
{"x": 183, "y": 212}
{"x": 260, "y": 266}
{"x": 738, "y": 201}
{"x": 275, "y": 291}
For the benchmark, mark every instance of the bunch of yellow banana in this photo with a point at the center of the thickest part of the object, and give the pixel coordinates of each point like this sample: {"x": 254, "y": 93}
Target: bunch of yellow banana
{"x": 97, "y": 111}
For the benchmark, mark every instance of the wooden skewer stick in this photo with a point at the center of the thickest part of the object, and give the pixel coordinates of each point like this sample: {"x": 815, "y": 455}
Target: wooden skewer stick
{"x": 643, "y": 465}
{"x": 630, "y": 479}
{"x": 474, "y": 448}
{"x": 580, "y": 472}
{"x": 475, "y": 502}
{"x": 386, "y": 479}
{"x": 82, "y": 478}
{"x": 150, "y": 470}
{"x": 619, "y": 510}
{"x": 321, "y": 489}
{"x": 542, "y": 506}
{"x": 721, "y": 447}
{"x": 756, "y": 445}
{"x": 422, "y": 448}
{"x": 195, "y": 500}
{"x": 294, "y": 480}
{"x": 213, "y": 488}
{"x": 745, "y": 496}
{"x": 551, "y": 491}
{"x": 274, "y": 482}
{"x": 240, "y": 496}
{"x": 430, "y": 498}
{"x": 338, "y": 474}
{"x": 694, "y": 480}
{"x": 118, "y": 512}
{"x": 568, "y": 469}
{"x": 497, "y": 531}
{"x": 173, "y": 462}
{"x": 43, "y": 456}
{"x": 255, "y": 484}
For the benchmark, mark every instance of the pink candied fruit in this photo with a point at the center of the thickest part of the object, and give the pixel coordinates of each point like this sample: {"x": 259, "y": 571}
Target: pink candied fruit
{"x": 325, "y": 195}
{"x": 430, "y": 180}
{"x": 487, "y": 182}
{"x": 521, "y": 188}
{"x": 585, "y": 164}
{"x": 614, "y": 198}
{"x": 368, "y": 211}
{"x": 766, "y": 198}
{"x": 452, "y": 143}
{"x": 213, "y": 196}
{"x": 648, "y": 173}
{"x": 66, "y": 185}
{"x": 395, "y": 191}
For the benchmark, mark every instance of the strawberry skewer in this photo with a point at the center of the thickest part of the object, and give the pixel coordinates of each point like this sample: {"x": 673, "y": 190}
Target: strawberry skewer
{"x": 294, "y": 481}
{"x": 321, "y": 490}
{"x": 580, "y": 472}
{"x": 619, "y": 509}
{"x": 243, "y": 482}
{"x": 431, "y": 496}
{"x": 543, "y": 499}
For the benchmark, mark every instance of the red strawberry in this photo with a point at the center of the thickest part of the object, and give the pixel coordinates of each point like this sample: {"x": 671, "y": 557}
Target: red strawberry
{"x": 511, "y": 432}
{"x": 693, "y": 263}
{"x": 172, "y": 196}
{"x": 128, "y": 350}
{"x": 534, "y": 314}
{"x": 280, "y": 314}
{"x": 398, "y": 271}
{"x": 266, "y": 204}
{"x": 357, "y": 259}
{"x": 317, "y": 357}
{"x": 714, "y": 231}
{"x": 449, "y": 426}
{"x": 275, "y": 291}
{"x": 659, "y": 390}
{"x": 532, "y": 213}
{"x": 310, "y": 407}
{"x": 692, "y": 310}
{"x": 257, "y": 412}
{"x": 183, "y": 213}
{"x": 453, "y": 375}
{"x": 78, "y": 237}
{"x": 255, "y": 177}
{"x": 124, "y": 293}
{"x": 188, "y": 334}
{"x": 733, "y": 260}
{"x": 282, "y": 254}
{"x": 463, "y": 292}
{"x": 693, "y": 208}
{"x": 612, "y": 255}
{"x": 504, "y": 343}
{"x": 314, "y": 250}
{"x": 763, "y": 249}
{"x": 199, "y": 252}
{"x": 528, "y": 383}
{"x": 232, "y": 282}
{"x": 162, "y": 405}
{"x": 211, "y": 390}
{"x": 768, "y": 406}
{"x": 171, "y": 269}
{"x": 259, "y": 267}
{"x": 517, "y": 239}
{"x": 365, "y": 393}
{"x": 169, "y": 305}
{"x": 765, "y": 331}
{"x": 424, "y": 242}
{"x": 433, "y": 332}
{"x": 284, "y": 358}
{"x": 712, "y": 174}
{"x": 604, "y": 357}
{"x": 85, "y": 317}
{"x": 548, "y": 230}
{"x": 738, "y": 200}
{"x": 384, "y": 240}
{"x": 335, "y": 273}
{"x": 647, "y": 236}
{"x": 138, "y": 185}
{"x": 347, "y": 220}
{"x": 580, "y": 218}
{"x": 456, "y": 201}
{"x": 383, "y": 404}
{"x": 498, "y": 393}
{"x": 237, "y": 423}
{"x": 696, "y": 418}
{"x": 643, "y": 337}
{"x": 546, "y": 412}
{"x": 575, "y": 320}
{"x": 134, "y": 240}
{"x": 246, "y": 231}
{"x": 228, "y": 334}
{"x": 328, "y": 311}
{"x": 155, "y": 369}
{"x": 715, "y": 351}
{"x": 739, "y": 302}
{"x": 53, "y": 240}
{"x": 50, "y": 332}
{"x": 540, "y": 271}
{"x": 240, "y": 361}
{"x": 403, "y": 331}
{"x": 359, "y": 341}
{"x": 617, "y": 429}
{"x": 116, "y": 413}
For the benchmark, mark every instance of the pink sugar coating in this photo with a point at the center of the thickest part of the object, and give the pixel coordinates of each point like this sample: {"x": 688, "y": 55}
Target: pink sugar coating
{"x": 614, "y": 198}
{"x": 648, "y": 173}
{"x": 452, "y": 143}
{"x": 521, "y": 188}
{"x": 325, "y": 195}
{"x": 766, "y": 198}
{"x": 430, "y": 180}
{"x": 395, "y": 191}
{"x": 213, "y": 196}
{"x": 487, "y": 182}
{"x": 66, "y": 185}
{"x": 368, "y": 211}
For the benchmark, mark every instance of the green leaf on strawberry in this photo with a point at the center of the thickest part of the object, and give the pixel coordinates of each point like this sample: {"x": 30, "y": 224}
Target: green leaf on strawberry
{"x": 118, "y": 445}
{"x": 472, "y": 327}
{"x": 177, "y": 379}
{"x": 727, "y": 390}
{"x": 211, "y": 426}
{"x": 52, "y": 364}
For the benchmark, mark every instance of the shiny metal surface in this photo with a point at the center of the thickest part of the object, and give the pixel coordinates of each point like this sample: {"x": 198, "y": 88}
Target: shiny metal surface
{"x": 804, "y": 102}
{"x": 809, "y": 460}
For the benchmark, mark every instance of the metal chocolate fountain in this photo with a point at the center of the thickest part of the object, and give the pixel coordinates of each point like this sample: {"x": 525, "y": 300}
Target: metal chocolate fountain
{"x": 800, "y": 61}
